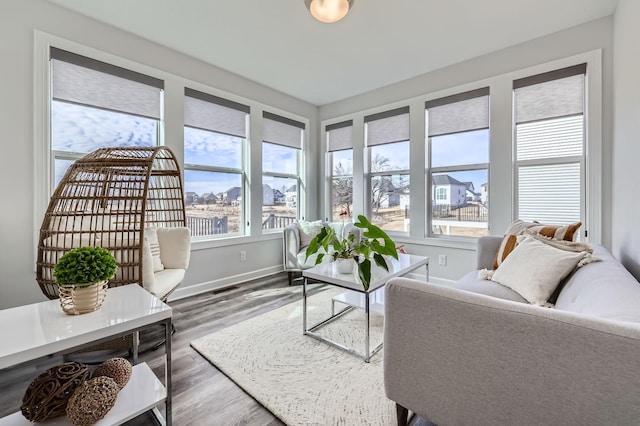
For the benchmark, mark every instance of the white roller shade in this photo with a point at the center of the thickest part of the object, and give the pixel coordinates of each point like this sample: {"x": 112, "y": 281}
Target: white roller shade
{"x": 387, "y": 127}
{"x": 80, "y": 80}
{"x": 459, "y": 113}
{"x": 208, "y": 112}
{"x": 549, "y": 193}
{"x": 558, "y": 137}
{"x": 339, "y": 136}
{"x": 282, "y": 131}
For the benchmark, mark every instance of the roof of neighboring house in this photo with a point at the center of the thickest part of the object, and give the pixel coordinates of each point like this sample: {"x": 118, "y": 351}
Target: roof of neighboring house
{"x": 485, "y": 184}
{"x": 446, "y": 180}
{"x": 469, "y": 185}
{"x": 191, "y": 194}
{"x": 209, "y": 196}
{"x": 293, "y": 188}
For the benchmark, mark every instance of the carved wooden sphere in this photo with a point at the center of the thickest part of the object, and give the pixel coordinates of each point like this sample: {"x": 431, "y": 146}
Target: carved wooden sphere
{"x": 47, "y": 396}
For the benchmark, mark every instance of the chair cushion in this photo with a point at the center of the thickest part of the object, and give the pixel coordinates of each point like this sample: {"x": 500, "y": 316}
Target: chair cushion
{"x": 151, "y": 236}
{"x": 308, "y": 230}
{"x": 164, "y": 281}
{"x": 311, "y": 261}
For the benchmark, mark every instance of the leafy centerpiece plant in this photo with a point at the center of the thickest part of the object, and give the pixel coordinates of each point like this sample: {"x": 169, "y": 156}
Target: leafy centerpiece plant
{"x": 82, "y": 276}
{"x": 373, "y": 245}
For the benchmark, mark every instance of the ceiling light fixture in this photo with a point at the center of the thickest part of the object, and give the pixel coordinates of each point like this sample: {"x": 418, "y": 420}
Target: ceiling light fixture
{"x": 329, "y": 11}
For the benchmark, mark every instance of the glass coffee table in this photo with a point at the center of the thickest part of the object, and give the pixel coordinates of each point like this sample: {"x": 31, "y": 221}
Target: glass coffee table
{"x": 355, "y": 296}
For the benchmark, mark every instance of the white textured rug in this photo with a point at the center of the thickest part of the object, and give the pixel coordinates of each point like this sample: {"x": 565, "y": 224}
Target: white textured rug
{"x": 300, "y": 380}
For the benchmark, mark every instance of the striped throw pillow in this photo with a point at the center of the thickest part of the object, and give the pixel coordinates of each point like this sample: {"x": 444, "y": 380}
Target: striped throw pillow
{"x": 557, "y": 232}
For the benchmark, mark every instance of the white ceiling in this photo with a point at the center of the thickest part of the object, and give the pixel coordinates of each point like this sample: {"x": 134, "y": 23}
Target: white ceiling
{"x": 278, "y": 43}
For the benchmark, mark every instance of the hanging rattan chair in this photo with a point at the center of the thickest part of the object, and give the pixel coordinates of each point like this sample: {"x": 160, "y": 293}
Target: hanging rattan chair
{"x": 108, "y": 198}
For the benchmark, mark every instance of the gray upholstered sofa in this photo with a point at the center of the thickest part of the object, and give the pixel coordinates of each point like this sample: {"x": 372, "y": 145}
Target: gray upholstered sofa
{"x": 478, "y": 355}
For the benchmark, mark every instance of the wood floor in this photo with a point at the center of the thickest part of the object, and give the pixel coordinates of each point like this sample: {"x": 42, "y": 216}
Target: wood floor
{"x": 202, "y": 395}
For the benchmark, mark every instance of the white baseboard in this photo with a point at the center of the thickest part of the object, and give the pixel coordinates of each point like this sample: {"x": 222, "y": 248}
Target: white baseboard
{"x": 195, "y": 289}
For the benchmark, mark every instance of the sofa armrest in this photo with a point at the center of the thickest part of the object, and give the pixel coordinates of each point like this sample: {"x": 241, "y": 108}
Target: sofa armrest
{"x": 175, "y": 247}
{"x": 291, "y": 246}
{"x": 488, "y": 247}
{"x": 457, "y": 357}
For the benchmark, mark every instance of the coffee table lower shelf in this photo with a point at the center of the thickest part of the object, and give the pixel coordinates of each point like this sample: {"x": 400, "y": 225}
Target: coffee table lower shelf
{"x": 143, "y": 393}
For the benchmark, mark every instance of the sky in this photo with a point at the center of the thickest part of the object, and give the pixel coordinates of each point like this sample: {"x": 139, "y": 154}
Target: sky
{"x": 80, "y": 129}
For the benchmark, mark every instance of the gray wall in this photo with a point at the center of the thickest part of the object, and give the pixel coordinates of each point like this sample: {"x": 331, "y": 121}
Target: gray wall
{"x": 626, "y": 141}
{"x": 211, "y": 267}
{"x": 587, "y": 37}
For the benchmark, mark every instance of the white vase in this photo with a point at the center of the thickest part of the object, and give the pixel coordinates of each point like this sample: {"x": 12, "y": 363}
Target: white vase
{"x": 344, "y": 266}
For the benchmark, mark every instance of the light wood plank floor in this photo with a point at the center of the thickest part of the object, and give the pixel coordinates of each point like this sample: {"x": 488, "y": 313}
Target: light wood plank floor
{"x": 202, "y": 395}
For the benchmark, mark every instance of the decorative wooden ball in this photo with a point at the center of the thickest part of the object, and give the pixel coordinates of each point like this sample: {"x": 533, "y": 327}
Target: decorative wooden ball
{"x": 47, "y": 396}
{"x": 119, "y": 369}
{"x": 92, "y": 400}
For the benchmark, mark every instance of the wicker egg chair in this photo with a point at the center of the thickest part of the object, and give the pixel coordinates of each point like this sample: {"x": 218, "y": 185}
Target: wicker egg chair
{"x": 107, "y": 198}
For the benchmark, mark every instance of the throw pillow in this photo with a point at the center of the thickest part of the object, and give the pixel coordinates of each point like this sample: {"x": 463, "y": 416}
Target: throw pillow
{"x": 534, "y": 269}
{"x": 558, "y": 232}
{"x": 519, "y": 227}
{"x": 308, "y": 230}
{"x": 151, "y": 236}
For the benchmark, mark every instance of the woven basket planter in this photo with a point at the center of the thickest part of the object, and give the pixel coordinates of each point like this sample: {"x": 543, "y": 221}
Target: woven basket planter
{"x": 78, "y": 299}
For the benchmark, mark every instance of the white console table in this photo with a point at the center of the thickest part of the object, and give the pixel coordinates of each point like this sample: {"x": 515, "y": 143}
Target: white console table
{"x": 40, "y": 329}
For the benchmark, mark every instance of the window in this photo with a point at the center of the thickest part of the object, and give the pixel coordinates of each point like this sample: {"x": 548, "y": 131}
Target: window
{"x": 281, "y": 156}
{"x": 340, "y": 166}
{"x": 549, "y": 145}
{"x": 214, "y": 139}
{"x": 458, "y": 162}
{"x": 95, "y": 105}
{"x": 387, "y": 137}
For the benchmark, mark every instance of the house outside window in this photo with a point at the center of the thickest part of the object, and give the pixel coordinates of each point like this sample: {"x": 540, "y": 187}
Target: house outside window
{"x": 340, "y": 166}
{"x": 95, "y": 104}
{"x": 458, "y": 163}
{"x": 215, "y": 135}
{"x": 387, "y": 141}
{"x": 281, "y": 157}
{"x": 550, "y": 146}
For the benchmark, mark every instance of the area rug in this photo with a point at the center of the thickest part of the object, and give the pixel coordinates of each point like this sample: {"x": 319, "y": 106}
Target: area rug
{"x": 299, "y": 379}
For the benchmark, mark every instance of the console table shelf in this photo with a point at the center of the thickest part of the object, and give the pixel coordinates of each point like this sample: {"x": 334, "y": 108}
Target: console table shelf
{"x": 42, "y": 329}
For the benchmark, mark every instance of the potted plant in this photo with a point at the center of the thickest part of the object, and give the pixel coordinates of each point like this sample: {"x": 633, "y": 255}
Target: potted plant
{"x": 82, "y": 275}
{"x": 374, "y": 244}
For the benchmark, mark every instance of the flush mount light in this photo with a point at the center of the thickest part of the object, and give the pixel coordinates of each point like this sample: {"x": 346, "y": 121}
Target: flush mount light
{"x": 328, "y": 11}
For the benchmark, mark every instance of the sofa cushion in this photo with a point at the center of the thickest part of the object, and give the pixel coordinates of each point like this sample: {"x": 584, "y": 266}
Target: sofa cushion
{"x": 603, "y": 289}
{"x": 534, "y": 269}
{"x": 305, "y": 263}
{"x": 471, "y": 282}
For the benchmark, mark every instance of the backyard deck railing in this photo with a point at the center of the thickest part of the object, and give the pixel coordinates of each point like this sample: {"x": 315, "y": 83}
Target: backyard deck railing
{"x": 207, "y": 225}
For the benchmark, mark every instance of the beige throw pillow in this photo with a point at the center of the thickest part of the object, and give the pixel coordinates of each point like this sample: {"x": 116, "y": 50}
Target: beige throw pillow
{"x": 534, "y": 269}
{"x": 308, "y": 230}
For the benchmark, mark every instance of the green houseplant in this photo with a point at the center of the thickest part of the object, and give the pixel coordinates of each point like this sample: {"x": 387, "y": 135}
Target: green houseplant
{"x": 82, "y": 276}
{"x": 374, "y": 244}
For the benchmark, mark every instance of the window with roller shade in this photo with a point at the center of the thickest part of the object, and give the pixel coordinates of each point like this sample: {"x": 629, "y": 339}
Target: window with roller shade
{"x": 458, "y": 163}
{"x": 215, "y": 134}
{"x": 281, "y": 156}
{"x": 340, "y": 166}
{"x": 549, "y": 146}
{"x": 387, "y": 141}
{"x": 95, "y": 104}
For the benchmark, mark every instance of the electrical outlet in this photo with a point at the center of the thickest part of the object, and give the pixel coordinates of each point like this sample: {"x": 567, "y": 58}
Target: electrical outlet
{"x": 442, "y": 260}
{"x": 243, "y": 255}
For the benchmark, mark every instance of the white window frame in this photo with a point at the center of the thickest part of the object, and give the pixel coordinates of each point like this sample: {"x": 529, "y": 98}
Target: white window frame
{"x": 501, "y": 196}
{"x": 241, "y": 171}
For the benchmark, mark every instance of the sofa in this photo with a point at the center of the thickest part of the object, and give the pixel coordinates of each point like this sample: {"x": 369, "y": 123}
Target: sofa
{"x": 296, "y": 238}
{"x": 476, "y": 353}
